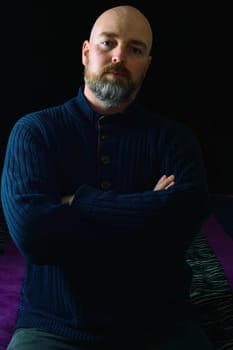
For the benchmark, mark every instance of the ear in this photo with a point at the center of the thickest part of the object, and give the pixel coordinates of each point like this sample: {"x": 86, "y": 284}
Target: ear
{"x": 85, "y": 51}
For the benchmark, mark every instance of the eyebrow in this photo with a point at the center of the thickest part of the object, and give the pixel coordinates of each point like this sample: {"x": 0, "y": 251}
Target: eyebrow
{"x": 132, "y": 41}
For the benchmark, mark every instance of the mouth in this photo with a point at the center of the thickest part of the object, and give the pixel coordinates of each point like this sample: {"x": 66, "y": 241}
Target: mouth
{"x": 117, "y": 73}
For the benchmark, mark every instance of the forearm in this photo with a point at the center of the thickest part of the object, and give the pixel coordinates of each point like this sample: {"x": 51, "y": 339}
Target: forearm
{"x": 174, "y": 206}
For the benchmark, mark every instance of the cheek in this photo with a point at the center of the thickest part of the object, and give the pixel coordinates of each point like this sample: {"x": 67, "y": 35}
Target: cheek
{"x": 138, "y": 71}
{"x": 96, "y": 62}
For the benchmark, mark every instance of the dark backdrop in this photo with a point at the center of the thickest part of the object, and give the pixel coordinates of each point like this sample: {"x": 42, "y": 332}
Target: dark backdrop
{"x": 41, "y": 66}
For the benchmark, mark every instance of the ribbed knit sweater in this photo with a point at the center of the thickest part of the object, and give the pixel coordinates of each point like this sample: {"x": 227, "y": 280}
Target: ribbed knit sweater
{"x": 114, "y": 261}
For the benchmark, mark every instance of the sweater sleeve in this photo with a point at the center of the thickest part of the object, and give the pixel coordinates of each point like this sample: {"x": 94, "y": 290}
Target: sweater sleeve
{"x": 46, "y": 231}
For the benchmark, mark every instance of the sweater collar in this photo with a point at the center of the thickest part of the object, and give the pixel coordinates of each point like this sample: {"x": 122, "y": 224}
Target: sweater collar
{"x": 80, "y": 103}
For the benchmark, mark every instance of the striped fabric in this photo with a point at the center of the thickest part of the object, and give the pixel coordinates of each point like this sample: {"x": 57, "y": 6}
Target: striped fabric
{"x": 211, "y": 293}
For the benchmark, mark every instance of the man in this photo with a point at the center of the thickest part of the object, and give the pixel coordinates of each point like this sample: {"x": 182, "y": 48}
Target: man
{"x": 103, "y": 198}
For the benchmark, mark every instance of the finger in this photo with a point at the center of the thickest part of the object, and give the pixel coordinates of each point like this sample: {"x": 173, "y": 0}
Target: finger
{"x": 162, "y": 179}
{"x": 164, "y": 182}
{"x": 171, "y": 177}
{"x": 169, "y": 185}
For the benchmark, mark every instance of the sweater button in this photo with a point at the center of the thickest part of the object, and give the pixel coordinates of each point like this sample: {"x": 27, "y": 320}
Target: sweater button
{"x": 105, "y": 185}
{"x": 104, "y": 137}
{"x": 105, "y": 160}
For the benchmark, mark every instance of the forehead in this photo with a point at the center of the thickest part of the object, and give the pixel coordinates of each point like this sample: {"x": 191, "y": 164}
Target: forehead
{"x": 124, "y": 25}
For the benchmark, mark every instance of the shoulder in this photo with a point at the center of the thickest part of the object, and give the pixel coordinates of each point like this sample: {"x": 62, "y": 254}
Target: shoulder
{"x": 168, "y": 131}
{"x": 43, "y": 120}
{"x": 164, "y": 123}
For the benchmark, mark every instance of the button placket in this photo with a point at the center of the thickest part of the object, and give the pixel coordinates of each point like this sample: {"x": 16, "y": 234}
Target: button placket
{"x": 104, "y": 157}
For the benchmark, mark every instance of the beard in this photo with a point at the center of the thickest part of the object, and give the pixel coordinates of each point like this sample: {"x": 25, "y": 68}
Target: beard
{"x": 112, "y": 92}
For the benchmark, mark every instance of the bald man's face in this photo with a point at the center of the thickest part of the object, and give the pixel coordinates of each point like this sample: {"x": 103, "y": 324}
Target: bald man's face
{"x": 116, "y": 57}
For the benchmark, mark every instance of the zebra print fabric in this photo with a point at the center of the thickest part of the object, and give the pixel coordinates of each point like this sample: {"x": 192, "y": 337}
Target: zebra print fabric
{"x": 211, "y": 294}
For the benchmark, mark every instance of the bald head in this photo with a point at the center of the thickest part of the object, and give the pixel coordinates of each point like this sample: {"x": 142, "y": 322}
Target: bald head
{"x": 127, "y": 21}
{"x": 116, "y": 58}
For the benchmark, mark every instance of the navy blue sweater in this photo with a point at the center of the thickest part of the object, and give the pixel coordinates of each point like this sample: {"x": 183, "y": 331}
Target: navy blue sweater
{"x": 114, "y": 261}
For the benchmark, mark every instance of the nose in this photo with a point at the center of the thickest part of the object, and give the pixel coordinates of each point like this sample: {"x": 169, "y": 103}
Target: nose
{"x": 115, "y": 59}
{"x": 118, "y": 55}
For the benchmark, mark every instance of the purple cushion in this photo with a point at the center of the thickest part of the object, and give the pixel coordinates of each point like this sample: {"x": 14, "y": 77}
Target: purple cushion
{"x": 11, "y": 275}
{"x": 222, "y": 244}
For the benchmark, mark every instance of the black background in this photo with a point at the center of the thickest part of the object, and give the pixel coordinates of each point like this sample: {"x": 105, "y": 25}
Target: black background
{"x": 189, "y": 77}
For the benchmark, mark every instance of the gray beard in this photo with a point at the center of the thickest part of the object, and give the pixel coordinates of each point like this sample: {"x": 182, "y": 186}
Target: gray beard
{"x": 112, "y": 94}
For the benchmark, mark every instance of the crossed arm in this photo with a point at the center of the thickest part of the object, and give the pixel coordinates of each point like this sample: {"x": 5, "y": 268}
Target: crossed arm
{"x": 35, "y": 212}
{"x": 163, "y": 184}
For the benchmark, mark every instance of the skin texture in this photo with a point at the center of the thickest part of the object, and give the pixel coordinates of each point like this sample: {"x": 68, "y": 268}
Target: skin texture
{"x": 118, "y": 55}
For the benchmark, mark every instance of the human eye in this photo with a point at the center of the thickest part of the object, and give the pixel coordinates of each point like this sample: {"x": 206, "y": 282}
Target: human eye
{"x": 137, "y": 51}
{"x": 106, "y": 45}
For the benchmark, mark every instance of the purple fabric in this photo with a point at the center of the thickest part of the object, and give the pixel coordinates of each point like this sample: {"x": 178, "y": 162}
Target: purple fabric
{"x": 12, "y": 269}
{"x": 11, "y": 275}
{"x": 222, "y": 245}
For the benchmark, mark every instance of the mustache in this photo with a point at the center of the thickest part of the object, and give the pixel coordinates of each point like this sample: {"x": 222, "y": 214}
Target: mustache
{"x": 116, "y": 67}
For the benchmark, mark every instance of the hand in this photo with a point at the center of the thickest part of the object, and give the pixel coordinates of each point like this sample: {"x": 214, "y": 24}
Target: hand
{"x": 67, "y": 199}
{"x": 164, "y": 182}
